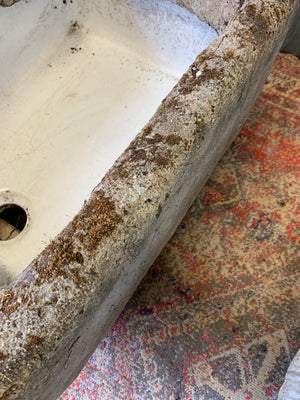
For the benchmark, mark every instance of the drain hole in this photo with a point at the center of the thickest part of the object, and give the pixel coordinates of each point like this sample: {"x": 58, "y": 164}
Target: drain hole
{"x": 13, "y": 219}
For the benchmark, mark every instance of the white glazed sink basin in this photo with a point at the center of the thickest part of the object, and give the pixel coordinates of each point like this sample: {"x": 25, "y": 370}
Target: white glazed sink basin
{"x": 77, "y": 84}
{"x": 80, "y": 81}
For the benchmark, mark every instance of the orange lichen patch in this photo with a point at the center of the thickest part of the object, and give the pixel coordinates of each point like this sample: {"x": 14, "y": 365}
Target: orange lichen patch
{"x": 257, "y": 24}
{"x": 169, "y": 103}
{"x": 172, "y": 140}
{"x": 250, "y": 10}
{"x": 96, "y": 220}
{"x": 35, "y": 340}
{"x": 261, "y": 19}
{"x": 190, "y": 81}
{"x": 278, "y": 12}
{"x": 206, "y": 55}
{"x": 157, "y": 138}
{"x": 138, "y": 155}
{"x": 9, "y": 306}
{"x": 147, "y": 130}
{"x": 62, "y": 258}
{"x": 146, "y": 149}
{"x": 210, "y": 74}
{"x": 63, "y": 254}
{"x": 11, "y": 301}
{"x": 9, "y": 392}
{"x": 120, "y": 171}
{"x": 229, "y": 54}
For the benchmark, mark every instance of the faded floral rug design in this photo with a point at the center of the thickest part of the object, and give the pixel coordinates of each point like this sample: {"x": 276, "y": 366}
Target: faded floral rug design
{"x": 217, "y": 317}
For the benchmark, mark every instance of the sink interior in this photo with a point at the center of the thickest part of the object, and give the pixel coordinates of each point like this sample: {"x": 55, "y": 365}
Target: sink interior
{"x": 77, "y": 83}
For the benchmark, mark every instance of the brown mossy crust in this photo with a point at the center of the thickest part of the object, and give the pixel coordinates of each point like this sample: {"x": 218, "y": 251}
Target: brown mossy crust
{"x": 147, "y": 130}
{"x": 7, "y": 3}
{"x": 61, "y": 259}
{"x": 64, "y": 254}
{"x": 97, "y": 220}
{"x": 173, "y": 140}
{"x": 257, "y": 17}
{"x": 195, "y": 77}
{"x": 148, "y": 151}
{"x": 101, "y": 218}
{"x": 201, "y": 72}
{"x": 35, "y": 340}
{"x": 259, "y": 20}
{"x": 161, "y": 160}
{"x": 8, "y": 303}
{"x": 12, "y": 300}
{"x": 8, "y": 392}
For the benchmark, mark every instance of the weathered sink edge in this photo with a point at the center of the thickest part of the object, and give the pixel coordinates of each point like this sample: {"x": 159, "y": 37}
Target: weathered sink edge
{"x": 56, "y": 312}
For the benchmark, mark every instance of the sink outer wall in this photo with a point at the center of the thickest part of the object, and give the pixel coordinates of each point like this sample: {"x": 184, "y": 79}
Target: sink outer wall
{"x": 216, "y": 13}
{"x": 56, "y": 312}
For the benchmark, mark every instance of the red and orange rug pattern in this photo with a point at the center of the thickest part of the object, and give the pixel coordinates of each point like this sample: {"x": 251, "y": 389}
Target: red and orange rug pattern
{"x": 217, "y": 317}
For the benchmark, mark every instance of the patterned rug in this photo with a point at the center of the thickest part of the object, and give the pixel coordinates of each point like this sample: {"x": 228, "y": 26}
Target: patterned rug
{"x": 217, "y": 317}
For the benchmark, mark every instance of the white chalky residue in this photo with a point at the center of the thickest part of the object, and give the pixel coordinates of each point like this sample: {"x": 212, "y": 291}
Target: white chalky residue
{"x": 77, "y": 83}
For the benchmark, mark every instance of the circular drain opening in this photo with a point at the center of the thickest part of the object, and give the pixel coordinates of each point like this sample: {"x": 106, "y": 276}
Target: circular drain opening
{"x": 13, "y": 220}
